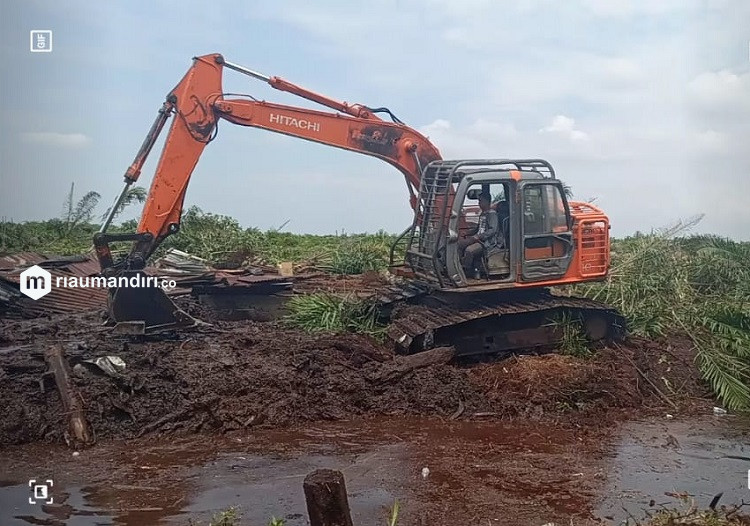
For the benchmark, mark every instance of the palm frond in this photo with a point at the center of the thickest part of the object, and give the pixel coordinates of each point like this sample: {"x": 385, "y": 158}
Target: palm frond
{"x": 728, "y": 375}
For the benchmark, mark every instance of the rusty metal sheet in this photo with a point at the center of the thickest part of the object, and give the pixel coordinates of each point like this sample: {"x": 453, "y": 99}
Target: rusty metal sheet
{"x": 20, "y": 259}
{"x": 59, "y": 300}
{"x": 70, "y": 300}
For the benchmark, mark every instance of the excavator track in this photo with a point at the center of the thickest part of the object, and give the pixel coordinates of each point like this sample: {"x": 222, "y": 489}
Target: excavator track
{"x": 496, "y": 322}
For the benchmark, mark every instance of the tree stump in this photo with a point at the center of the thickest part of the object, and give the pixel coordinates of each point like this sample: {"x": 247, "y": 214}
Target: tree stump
{"x": 325, "y": 494}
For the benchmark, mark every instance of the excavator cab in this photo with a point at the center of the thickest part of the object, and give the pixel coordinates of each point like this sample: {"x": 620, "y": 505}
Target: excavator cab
{"x": 535, "y": 241}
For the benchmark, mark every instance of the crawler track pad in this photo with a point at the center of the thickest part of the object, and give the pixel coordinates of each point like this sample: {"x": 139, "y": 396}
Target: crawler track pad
{"x": 491, "y": 322}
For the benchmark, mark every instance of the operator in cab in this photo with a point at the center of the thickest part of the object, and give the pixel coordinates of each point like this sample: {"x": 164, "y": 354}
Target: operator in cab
{"x": 482, "y": 239}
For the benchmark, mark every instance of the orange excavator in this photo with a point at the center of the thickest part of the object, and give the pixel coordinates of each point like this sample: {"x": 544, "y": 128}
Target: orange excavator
{"x": 502, "y": 303}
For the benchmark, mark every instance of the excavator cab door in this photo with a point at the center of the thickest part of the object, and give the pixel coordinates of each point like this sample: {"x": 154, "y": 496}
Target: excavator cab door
{"x": 546, "y": 230}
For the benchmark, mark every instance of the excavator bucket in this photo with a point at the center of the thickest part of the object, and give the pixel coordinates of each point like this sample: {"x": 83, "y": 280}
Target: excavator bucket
{"x": 145, "y": 310}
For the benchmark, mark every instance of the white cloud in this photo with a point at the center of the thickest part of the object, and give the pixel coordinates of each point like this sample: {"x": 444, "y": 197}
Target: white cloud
{"x": 721, "y": 90}
{"x": 482, "y": 138}
{"x": 565, "y": 127}
{"x": 63, "y": 140}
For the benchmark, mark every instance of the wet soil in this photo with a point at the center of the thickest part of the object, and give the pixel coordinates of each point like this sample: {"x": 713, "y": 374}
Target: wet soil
{"x": 247, "y": 375}
{"x": 478, "y": 473}
{"x": 238, "y": 414}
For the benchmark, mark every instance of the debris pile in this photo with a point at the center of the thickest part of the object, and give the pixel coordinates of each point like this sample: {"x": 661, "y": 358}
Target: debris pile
{"x": 58, "y": 300}
{"x": 244, "y": 374}
{"x": 220, "y": 288}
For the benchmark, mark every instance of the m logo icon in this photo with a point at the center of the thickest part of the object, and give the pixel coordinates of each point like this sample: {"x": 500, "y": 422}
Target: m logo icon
{"x": 36, "y": 282}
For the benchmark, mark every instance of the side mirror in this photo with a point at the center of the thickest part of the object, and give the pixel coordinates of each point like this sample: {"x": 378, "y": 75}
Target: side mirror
{"x": 473, "y": 193}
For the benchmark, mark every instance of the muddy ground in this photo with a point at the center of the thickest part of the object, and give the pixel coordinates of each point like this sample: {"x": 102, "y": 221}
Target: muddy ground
{"x": 245, "y": 375}
{"x": 238, "y": 413}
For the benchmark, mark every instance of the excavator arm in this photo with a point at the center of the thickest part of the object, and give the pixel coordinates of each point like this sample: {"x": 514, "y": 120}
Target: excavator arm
{"x": 196, "y": 106}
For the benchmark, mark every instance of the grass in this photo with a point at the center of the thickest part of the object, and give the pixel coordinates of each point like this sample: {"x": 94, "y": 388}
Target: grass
{"x": 393, "y": 515}
{"x": 357, "y": 257}
{"x": 214, "y": 237}
{"x": 573, "y": 341}
{"x": 228, "y": 517}
{"x": 324, "y": 312}
{"x": 231, "y": 517}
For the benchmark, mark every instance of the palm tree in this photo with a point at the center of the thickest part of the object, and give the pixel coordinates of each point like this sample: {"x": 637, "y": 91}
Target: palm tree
{"x": 82, "y": 211}
{"x": 133, "y": 195}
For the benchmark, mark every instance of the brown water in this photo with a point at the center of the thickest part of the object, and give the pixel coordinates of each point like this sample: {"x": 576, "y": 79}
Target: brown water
{"x": 479, "y": 473}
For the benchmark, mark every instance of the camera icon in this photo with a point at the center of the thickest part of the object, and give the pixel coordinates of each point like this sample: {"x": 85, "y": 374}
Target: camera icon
{"x": 41, "y": 40}
{"x": 41, "y": 493}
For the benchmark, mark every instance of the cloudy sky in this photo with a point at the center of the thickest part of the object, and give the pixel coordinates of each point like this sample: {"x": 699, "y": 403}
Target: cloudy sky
{"x": 643, "y": 105}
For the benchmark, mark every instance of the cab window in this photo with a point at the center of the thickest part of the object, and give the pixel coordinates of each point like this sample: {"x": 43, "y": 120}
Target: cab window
{"x": 543, "y": 210}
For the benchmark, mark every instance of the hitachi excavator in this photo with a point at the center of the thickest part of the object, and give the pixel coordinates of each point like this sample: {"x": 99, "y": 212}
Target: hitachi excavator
{"x": 504, "y": 305}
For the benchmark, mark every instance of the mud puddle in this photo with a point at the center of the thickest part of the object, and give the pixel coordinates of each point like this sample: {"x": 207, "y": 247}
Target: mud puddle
{"x": 655, "y": 461}
{"x": 479, "y": 473}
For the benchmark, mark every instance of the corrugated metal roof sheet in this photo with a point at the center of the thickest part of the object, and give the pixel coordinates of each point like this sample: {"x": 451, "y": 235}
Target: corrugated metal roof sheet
{"x": 70, "y": 300}
{"x": 21, "y": 259}
{"x": 59, "y": 300}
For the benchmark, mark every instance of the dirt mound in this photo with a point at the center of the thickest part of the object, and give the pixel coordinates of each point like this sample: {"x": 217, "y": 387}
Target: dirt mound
{"x": 640, "y": 374}
{"x": 246, "y": 374}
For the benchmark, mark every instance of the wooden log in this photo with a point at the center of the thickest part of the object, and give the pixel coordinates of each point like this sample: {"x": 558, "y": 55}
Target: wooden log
{"x": 78, "y": 427}
{"x": 405, "y": 364}
{"x": 325, "y": 494}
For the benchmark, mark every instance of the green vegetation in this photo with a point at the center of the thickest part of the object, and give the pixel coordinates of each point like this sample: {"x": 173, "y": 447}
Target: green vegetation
{"x": 231, "y": 517}
{"x": 329, "y": 312}
{"x": 393, "y": 516}
{"x": 573, "y": 340}
{"x": 217, "y": 238}
{"x": 220, "y": 238}
{"x": 697, "y": 285}
{"x": 70, "y": 234}
{"x": 662, "y": 283}
{"x": 228, "y": 517}
{"x": 358, "y": 256}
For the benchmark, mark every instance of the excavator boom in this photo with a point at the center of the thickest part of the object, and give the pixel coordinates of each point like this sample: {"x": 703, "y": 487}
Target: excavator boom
{"x": 198, "y": 103}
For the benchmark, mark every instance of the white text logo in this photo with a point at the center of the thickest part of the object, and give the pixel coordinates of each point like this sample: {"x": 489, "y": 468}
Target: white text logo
{"x": 296, "y": 123}
{"x": 35, "y": 282}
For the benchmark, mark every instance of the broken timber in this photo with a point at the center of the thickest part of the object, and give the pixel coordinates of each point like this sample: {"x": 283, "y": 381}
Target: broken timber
{"x": 73, "y": 411}
{"x": 403, "y": 365}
